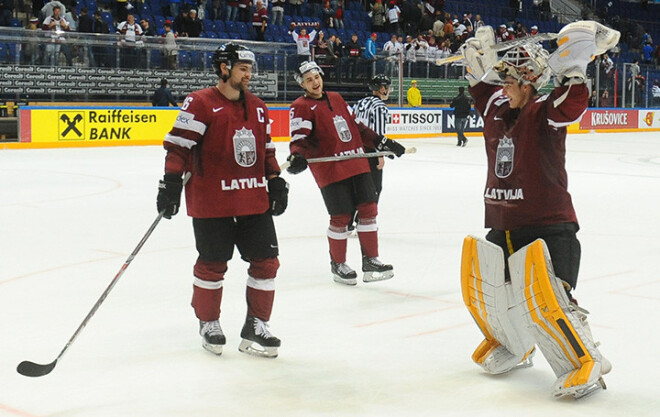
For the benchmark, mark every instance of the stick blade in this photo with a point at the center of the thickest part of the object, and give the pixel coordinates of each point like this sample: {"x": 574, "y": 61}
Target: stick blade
{"x": 32, "y": 369}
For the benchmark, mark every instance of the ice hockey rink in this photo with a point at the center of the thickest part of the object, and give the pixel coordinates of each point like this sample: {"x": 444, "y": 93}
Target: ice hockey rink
{"x": 70, "y": 218}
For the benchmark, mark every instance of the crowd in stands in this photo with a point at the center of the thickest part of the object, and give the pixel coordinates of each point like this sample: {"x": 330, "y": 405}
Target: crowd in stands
{"x": 351, "y": 39}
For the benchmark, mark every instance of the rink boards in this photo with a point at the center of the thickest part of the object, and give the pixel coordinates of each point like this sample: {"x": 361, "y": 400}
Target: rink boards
{"x": 46, "y": 127}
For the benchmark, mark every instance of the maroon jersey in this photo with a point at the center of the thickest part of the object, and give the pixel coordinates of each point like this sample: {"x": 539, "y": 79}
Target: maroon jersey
{"x": 526, "y": 148}
{"x": 227, "y": 147}
{"x": 327, "y": 127}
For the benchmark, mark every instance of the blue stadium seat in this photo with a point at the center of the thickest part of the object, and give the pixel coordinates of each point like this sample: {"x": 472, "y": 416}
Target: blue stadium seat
{"x": 219, "y": 25}
{"x": 184, "y": 59}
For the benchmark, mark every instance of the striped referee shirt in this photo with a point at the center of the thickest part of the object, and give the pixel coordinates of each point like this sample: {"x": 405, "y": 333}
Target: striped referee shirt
{"x": 372, "y": 112}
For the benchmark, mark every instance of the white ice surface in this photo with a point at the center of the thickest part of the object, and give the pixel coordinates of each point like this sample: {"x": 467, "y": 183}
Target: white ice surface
{"x": 69, "y": 218}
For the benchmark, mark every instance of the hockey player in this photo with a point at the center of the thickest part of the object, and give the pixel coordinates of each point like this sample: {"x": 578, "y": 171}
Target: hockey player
{"x": 323, "y": 125}
{"x": 518, "y": 283}
{"x": 222, "y": 137}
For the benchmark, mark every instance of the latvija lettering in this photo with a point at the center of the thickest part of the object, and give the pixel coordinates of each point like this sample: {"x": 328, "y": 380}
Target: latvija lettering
{"x": 243, "y": 183}
{"x": 508, "y": 194}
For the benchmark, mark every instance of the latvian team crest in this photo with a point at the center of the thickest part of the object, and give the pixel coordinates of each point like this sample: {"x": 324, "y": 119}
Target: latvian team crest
{"x": 504, "y": 158}
{"x": 245, "y": 148}
{"x": 343, "y": 131}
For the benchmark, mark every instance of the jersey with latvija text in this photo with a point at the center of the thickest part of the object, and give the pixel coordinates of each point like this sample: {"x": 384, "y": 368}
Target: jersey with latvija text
{"x": 527, "y": 184}
{"x": 327, "y": 127}
{"x": 227, "y": 147}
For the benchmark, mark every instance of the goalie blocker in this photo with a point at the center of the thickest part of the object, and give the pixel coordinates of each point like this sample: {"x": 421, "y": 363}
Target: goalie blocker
{"x": 532, "y": 308}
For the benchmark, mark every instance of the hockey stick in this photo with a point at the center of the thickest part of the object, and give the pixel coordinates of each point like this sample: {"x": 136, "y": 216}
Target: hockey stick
{"x": 32, "y": 369}
{"x": 351, "y": 156}
{"x": 540, "y": 37}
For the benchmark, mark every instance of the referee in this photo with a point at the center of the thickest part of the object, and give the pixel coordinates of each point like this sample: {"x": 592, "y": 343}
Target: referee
{"x": 372, "y": 112}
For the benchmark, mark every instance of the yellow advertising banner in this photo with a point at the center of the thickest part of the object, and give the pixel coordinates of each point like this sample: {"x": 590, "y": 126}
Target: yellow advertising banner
{"x": 104, "y": 126}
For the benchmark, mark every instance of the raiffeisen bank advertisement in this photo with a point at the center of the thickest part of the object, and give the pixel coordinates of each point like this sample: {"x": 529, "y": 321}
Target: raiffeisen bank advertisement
{"x": 90, "y": 126}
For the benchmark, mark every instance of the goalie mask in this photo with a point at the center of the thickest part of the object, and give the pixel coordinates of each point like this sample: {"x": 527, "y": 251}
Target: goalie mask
{"x": 230, "y": 54}
{"x": 527, "y": 63}
{"x": 305, "y": 67}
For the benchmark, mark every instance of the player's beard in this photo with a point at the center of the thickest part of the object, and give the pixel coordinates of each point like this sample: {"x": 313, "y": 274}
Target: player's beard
{"x": 237, "y": 85}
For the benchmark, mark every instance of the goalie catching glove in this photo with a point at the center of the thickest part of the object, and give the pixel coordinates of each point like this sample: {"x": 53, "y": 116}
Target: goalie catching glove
{"x": 480, "y": 57}
{"x": 578, "y": 43}
{"x": 383, "y": 144}
{"x": 169, "y": 195}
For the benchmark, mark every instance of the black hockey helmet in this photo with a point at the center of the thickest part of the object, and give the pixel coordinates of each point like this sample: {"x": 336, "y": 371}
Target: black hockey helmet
{"x": 230, "y": 53}
{"x": 378, "y": 81}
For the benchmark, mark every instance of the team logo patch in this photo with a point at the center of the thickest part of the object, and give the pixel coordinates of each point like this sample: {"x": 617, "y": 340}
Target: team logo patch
{"x": 245, "y": 148}
{"x": 504, "y": 158}
{"x": 341, "y": 126}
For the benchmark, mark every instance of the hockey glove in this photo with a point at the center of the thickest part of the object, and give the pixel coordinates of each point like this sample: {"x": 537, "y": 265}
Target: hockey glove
{"x": 169, "y": 195}
{"x": 278, "y": 195}
{"x": 297, "y": 163}
{"x": 383, "y": 144}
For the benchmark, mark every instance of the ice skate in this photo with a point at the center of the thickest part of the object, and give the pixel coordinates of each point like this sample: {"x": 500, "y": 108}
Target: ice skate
{"x": 257, "y": 339}
{"x": 213, "y": 338}
{"x": 375, "y": 270}
{"x": 343, "y": 273}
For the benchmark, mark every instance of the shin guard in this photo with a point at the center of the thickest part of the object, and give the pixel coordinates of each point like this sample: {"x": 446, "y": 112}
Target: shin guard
{"x": 557, "y": 325}
{"x": 490, "y": 301}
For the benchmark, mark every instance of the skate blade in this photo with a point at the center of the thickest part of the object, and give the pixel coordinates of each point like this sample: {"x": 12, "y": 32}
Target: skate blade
{"x": 214, "y": 349}
{"x": 255, "y": 349}
{"x": 373, "y": 276}
{"x": 582, "y": 391}
{"x": 345, "y": 281}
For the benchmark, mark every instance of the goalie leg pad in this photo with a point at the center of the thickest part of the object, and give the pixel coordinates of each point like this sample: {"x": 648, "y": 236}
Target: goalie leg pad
{"x": 557, "y": 326}
{"x": 487, "y": 296}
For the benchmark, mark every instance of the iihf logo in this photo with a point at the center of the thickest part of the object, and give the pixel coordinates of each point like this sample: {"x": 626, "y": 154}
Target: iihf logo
{"x": 504, "y": 158}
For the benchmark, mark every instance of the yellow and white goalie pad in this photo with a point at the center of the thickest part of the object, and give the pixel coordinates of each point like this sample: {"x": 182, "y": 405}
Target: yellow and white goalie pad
{"x": 492, "y": 303}
{"x": 558, "y": 326}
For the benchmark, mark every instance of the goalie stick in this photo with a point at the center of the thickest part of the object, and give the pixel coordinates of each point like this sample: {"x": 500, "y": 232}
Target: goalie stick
{"x": 504, "y": 46}
{"x": 351, "y": 156}
{"x": 32, "y": 369}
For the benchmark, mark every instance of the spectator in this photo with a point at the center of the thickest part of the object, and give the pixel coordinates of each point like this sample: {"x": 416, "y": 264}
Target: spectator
{"x": 421, "y": 46}
{"x": 320, "y": 50}
{"x": 100, "y": 53}
{"x": 392, "y": 48}
{"x": 647, "y": 53}
{"x": 130, "y": 33}
{"x": 608, "y": 69}
{"x": 175, "y": 5}
{"x": 535, "y": 30}
{"x": 170, "y": 52}
{"x": 179, "y": 24}
{"x": 328, "y": 15}
{"x": 216, "y": 8}
{"x": 86, "y": 25}
{"x": 393, "y": 15}
{"x": 244, "y": 10}
{"x": 47, "y": 10}
{"x": 339, "y": 15}
{"x": 478, "y": 23}
{"x": 605, "y": 100}
{"x": 278, "y": 11}
{"x": 303, "y": 42}
{"x": 655, "y": 91}
{"x": 231, "y": 10}
{"x": 353, "y": 49}
{"x": 338, "y": 55}
{"x": 163, "y": 96}
{"x": 296, "y": 7}
{"x": 260, "y": 20}
{"x": 432, "y": 55}
{"x": 316, "y": 6}
{"x": 414, "y": 96}
{"x": 32, "y": 48}
{"x": 378, "y": 16}
{"x": 370, "y": 55}
{"x": 56, "y": 24}
{"x": 147, "y": 29}
{"x": 192, "y": 25}
{"x": 593, "y": 99}
{"x": 123, "y": 7}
